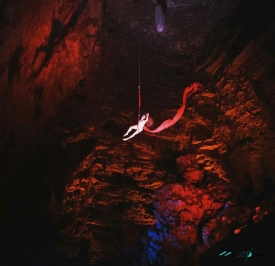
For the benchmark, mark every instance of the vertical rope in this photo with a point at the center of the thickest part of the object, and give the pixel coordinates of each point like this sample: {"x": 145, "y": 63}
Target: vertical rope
{"x": 139, "y": 96}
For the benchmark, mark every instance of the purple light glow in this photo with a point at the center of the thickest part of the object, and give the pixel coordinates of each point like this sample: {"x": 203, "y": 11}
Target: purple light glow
{"x": 159, "y": 18}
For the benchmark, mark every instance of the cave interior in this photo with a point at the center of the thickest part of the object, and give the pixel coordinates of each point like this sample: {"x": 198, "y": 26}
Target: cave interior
{"x": 75, "y": 75}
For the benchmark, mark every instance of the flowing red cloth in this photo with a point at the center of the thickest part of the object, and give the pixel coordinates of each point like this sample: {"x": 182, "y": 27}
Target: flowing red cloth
{"x": 170, "y": 122}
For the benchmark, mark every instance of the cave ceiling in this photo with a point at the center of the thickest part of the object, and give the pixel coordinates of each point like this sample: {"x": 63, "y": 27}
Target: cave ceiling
{"x": 69, "y": 76}
{"x": 187, "y": 24}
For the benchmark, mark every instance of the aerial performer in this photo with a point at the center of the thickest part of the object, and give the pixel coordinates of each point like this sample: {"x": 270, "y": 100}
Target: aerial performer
{"x": 196, "y": 86}
{"x": 139, "y": 127}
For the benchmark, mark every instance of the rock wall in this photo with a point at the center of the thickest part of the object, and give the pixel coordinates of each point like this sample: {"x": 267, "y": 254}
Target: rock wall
{"x": 72, "y": 190}
{"x": 245, "y": 94}
{"x": 48, "y": 51}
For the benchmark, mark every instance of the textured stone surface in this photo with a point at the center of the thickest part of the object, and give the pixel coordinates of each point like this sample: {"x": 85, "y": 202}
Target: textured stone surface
{"x": 180, "y": 208}
{"x": 71, "y": 190}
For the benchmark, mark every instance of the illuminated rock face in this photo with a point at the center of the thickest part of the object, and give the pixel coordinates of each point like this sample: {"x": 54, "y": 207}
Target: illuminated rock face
{"x": 68, "y": 92}
{"x": 190, "y": 168}
{"x": 46, "y": 55}
{"x": 181, "y": 209}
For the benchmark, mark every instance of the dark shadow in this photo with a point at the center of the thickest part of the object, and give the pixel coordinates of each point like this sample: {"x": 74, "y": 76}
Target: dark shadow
{"x": 83, "y": 254}
{"x": 58, "y": 33}
{"x": 163, "y": 4}
{"x": 37, "y": 95}
{"x": 257, "y": 236}
{"x": 131, "y": 254}
{"x": 78, "y": 98}
{"x": 3, "y": 152}
{"x": 112, "y": 128}
{"x": 14, "y": 65}
{"x": 269, "y": 187}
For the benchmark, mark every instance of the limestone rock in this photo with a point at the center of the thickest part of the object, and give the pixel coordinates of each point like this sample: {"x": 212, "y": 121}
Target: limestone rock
{"x": 193, "y": 176}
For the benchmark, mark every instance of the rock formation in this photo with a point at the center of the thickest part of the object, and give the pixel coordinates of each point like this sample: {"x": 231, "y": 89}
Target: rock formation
{"x": 72, "y": 192}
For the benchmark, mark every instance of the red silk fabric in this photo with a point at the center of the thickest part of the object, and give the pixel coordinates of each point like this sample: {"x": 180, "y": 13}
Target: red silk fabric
{"x": 170, "y": 122}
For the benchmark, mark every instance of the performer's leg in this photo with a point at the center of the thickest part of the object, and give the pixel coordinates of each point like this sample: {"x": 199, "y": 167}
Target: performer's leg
{"x": 130, "y": 128}
{"x": 136, "y": 132}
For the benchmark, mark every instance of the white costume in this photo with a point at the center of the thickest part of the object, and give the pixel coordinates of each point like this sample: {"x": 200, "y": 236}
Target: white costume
{"x": 138, "y": 127}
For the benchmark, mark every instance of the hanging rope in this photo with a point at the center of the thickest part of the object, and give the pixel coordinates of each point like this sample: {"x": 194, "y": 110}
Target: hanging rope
{"x": 196, "y": 86}
{"x": 139, "y": 96}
